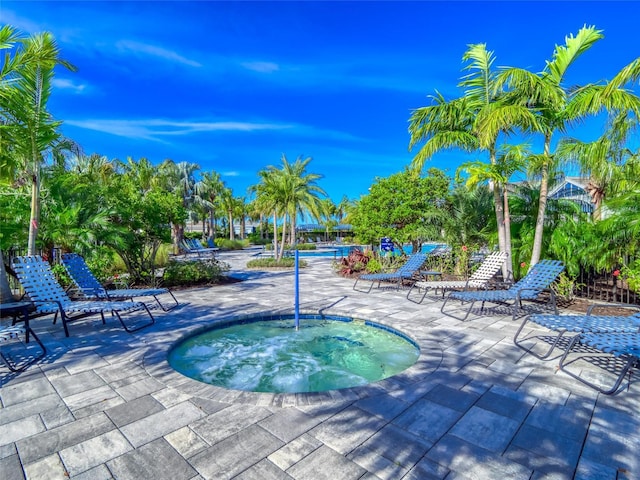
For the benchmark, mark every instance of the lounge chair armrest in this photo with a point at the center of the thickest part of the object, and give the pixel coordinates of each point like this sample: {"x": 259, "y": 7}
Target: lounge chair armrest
{"x": 603, "y": 306}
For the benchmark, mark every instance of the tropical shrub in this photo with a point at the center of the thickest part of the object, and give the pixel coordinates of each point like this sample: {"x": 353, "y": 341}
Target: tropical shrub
{"x": 565, "y": 288}
{"x": 192, "y": 272}
{"x": 226, "y": 244}
{"x": 304, "y": 246}
{"x": 374, "y": 266}
{"x": 355, "y": 262}
{"x": 631, "y": 274}
{"x": 284, "y": 262}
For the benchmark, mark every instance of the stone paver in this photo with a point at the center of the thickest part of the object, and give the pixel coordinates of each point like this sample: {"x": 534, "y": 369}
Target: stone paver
{"x": 106, "y": 405}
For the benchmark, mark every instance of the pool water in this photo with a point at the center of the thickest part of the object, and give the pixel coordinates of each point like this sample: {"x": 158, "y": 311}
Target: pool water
{"x": 271, "y": 356}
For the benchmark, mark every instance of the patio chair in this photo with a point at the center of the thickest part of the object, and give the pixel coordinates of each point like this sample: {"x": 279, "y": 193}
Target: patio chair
{"x": 192, "y": 246}
{"x": 48, "y": 296}
{"x": 589, "y": 323}
{"x": 624, "y": 347}
{"x": 20, "y": 312}
{"x": 91, "y": 288}
{"x": 539, "y": 278}
{"x": 478, "y": 280}
{"x": 210, "y": 248}
{"x": 405, "y": 272}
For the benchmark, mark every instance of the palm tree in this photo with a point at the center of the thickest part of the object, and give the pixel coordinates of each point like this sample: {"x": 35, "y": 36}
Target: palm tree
{"x": 31, "y": 131}
{"x": 509, "y": 159}
{"x": 270, "y": 198}
{"x": 179, "y": 178}
{"x": 329, "y": 212}
{"x": 471, "y": 123}
{"x": 229, "y": 205}
{"x": 304, "y": 196}
{"x": 602, "y": 161}
{"x": 557, "y": 106}
{"x": 207, "y": 191}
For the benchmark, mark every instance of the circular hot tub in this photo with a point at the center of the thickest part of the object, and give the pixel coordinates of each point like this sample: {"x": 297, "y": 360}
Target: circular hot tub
{"x": 268, "y": 354}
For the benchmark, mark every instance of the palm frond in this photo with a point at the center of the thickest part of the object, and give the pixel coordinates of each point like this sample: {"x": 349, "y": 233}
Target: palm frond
{"x": 574, "y": 47}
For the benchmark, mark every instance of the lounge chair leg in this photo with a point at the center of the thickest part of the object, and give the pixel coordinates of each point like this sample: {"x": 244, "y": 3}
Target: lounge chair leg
{"x": 419, "y": 289}
{"x": 131, "y": 330}
{"x": 14, "y": 367}
{"x": 630, "y": 362}
{"x": 65, "y": 321}
{"x": 166, "y": 309}
{"x": 529, "y": 349}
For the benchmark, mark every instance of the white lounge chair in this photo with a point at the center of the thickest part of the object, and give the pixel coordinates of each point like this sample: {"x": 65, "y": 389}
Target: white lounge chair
{"x": 478, "y": 280}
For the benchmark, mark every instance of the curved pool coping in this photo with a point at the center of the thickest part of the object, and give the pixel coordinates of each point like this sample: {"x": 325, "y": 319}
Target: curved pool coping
{"x": 429, "y": 359}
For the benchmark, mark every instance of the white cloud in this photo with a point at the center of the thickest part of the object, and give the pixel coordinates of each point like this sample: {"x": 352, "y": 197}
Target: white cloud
{"x": 156, "y": 129}
{"x": 66, "y": 84}
{"x": 261, "y": 67}
{"x": 231, "y": 173}
{"x": 129, "y": 46}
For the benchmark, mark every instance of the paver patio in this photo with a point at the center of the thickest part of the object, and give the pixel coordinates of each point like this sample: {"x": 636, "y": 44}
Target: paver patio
{"x": 105, "y": 404}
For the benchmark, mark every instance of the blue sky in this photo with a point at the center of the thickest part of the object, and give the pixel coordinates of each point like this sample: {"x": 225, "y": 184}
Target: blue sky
{"x": 232, "y": 86}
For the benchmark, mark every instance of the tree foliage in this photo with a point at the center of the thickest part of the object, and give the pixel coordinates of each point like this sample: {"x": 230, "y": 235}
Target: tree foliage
{"x": 405, "y": 207}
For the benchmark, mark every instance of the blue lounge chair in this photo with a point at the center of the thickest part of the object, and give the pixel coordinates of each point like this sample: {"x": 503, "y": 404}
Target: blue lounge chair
{"x": 589, "y": 323}
{"x": 193, "y": 246}
{"x": 91, "y": 288}
{"x": 48, "y": 296}
{"x": 623, "y": 346}
{"x": 539, "y": 278}
{"x": 405, "y": 272}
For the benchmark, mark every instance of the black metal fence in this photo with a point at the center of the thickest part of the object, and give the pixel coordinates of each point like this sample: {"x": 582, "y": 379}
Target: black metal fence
{"x": 605, "y": 287}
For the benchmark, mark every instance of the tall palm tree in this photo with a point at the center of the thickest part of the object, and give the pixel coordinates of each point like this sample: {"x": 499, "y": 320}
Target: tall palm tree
{"x": 557, "y": 106}
{"x": 31, "y": 131}
{"x": 207, "y": 191}
{"x": 472, "y": 123}
{"x": 270, "y": 195}
{"x": 229, "y": 205}
{"x": 304, "y": 196}
{"x": 509, "y": 159}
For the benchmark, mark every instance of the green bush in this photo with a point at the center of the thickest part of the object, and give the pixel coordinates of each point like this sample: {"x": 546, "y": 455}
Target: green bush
{"x": 285, "y": 262}
{"x": 61, "y": 275}
{"x": 162, "y": 255}
{"x": 374, "y": 266}
{"x": 255, "y": 239}
{"x": 226, "y": 244}
{"x": 304, "y": 246}
{"x": 192, "y": 272}
{"x": 102, "y": 263}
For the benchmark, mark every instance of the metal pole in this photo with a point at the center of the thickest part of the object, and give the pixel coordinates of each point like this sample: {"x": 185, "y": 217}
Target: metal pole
{"x": 296, "y": 289}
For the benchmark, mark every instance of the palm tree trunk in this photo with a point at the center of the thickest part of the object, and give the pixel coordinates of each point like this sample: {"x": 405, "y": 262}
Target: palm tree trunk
{"x": 507, "y": 236}
{"x": 284, "y": 233}
{"x": 35, "y": 213}
{"x": 542, "y": 204}
{"x": 232, "y": 233}
{"x": 502, "y": 238}
{"x": 275, "y": 235}
{"x": 499, "y": 207}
